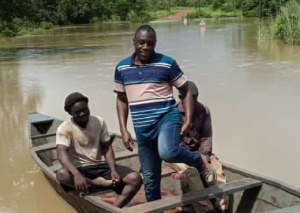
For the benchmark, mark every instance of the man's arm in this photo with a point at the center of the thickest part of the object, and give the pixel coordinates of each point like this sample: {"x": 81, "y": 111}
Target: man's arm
{"x": 188, "y": 105}
{"x": 109, "y": 155}
{"x": 63, "y": 156}
{"x": 122, "y": 109}
{"x": 205, "y": 147}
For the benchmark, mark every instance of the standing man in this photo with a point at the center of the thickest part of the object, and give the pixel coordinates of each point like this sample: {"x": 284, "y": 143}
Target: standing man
{"x": 80, "y": 143}
{"x": 143, "y": 83}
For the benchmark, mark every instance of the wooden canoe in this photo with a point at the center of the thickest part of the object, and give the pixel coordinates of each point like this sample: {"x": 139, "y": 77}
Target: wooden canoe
{"x": 251, "y": 192}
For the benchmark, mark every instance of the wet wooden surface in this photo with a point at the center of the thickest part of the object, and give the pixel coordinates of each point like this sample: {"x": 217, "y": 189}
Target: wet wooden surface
{"x": 212, "y": 192}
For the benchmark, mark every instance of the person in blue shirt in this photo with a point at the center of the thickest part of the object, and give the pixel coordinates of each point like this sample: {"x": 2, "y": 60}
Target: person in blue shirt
{"x": 143, "y": 83}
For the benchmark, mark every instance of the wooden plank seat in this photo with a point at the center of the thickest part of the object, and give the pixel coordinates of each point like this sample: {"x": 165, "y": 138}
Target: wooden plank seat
{"x": 194, "y": 196}
{"x": 43, "y": 136}
{"x": 39, "y": 118}
{"x": 55, "y": 167}
{"x": 291, "y": 209}
{"x": 44, "y": 147}
{"x": 119, "y": 155}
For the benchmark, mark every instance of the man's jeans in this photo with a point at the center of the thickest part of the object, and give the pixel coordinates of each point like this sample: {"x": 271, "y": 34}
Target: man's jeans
{"x": 167, "y": 148}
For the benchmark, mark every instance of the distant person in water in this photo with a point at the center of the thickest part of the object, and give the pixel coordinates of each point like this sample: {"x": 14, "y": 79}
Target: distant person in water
{"x": 202, "y": 23}
{"x": 185, "y": 21}
{"x": 144, "y": 84}
{"x": 80, "y": 143}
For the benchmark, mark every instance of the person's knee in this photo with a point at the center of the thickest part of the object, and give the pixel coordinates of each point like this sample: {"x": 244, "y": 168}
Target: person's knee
{"x": 170, "y": 156}
{"x": 151, "y": 179}
{"x": 135, "y": 180}
{"x": 63, "y": 176}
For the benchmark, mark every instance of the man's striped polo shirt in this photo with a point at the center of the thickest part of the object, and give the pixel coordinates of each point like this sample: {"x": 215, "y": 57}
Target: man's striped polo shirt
{"x": 149, "y": 88}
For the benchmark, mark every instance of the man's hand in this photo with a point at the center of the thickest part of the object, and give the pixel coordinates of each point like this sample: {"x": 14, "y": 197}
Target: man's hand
{"x": 185, "y": 127}
{"x": 80, "y": 183}
{"x": 115, "y": 178}
{"x": 127, "y": 140}
{"x": 188, "y": 106}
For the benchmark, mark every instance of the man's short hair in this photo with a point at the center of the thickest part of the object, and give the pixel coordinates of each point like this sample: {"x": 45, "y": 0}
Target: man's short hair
{"x": 193, "y": 89}
{"x": 145, "y": 27}
{"x": 73, "y": 98}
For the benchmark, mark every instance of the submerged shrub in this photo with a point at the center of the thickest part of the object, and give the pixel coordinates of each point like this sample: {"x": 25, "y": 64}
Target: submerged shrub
{"x": 141, "y": 17}
{"x": 287, "y": 23}
{"x": 46, "y": 25}
{"x": 196, "y": 14}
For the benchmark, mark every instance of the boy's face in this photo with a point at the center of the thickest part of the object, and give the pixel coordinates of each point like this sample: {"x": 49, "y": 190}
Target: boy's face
{"x": 80, "y": 112}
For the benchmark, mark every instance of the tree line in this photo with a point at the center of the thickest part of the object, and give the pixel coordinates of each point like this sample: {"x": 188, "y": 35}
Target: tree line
{"x": 249, "y": 8}
{"x": 15, "y": 15}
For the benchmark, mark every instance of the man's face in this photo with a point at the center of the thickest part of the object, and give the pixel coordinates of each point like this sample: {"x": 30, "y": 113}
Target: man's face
{"x": 144, "y": 44}
{"x": 80, "y": 113}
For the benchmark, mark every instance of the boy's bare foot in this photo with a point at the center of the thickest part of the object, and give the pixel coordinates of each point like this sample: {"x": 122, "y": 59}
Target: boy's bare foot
{"x": 100, "y": 181}
{"x": 178, "y": 175}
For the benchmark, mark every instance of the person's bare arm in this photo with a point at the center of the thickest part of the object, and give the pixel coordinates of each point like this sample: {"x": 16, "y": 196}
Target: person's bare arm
{"x": 122, "y": 109}
{"x": 205, "y": 147}
{"x": 63, "y": 156}
{"x": 188, "y": 105}
{"x": 109, "y": 156}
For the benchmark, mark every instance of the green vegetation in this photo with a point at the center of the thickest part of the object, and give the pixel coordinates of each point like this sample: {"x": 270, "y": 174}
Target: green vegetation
{"x": 162, "y": 13}
{"x": 18, "y": 17}
{"x": 285, "y": 26}
{"x": 209, "y": 12}
{"x": 287, "y": 23}
{"x": 21, "y": 27}
{"x": 29, "y": 16}
{"x": 236, "y": 8}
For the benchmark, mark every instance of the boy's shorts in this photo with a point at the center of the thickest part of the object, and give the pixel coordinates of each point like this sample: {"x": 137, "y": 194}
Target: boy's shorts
{"x": 102, "y": 170}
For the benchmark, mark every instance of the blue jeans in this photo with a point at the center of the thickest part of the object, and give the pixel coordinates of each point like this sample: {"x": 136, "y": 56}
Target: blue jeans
{"x": 167, "y": 148}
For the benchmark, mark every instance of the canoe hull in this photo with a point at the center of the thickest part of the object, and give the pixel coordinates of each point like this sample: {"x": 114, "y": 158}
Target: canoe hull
{"x": 270, "y": 195}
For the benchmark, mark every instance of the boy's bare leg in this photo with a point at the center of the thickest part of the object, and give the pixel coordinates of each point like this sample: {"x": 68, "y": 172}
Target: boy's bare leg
{"x": 190, "y": 181}
{"x": 222, "y": 203}
{"x": 133, "y": 183}
{"x": 100, "y": 181}
{"x": 66, "y": 178}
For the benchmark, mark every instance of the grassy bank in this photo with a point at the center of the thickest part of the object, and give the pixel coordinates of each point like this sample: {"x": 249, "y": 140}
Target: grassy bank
{"x": 22, "y": 27}
{"x": 285, "y": 27}
{"x": 210, "y": 12}
{"x": 161, "y": 13}
{"x": 203, "y": 12}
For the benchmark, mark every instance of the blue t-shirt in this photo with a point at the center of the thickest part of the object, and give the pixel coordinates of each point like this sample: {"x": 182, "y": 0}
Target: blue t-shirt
{"x": 149, "y": 92}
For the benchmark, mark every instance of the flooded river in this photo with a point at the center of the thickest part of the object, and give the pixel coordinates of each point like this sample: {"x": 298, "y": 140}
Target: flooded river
{"x": 252, "y": 88}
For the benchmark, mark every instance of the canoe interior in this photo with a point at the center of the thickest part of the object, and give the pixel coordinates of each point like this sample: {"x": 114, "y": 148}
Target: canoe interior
{"x": 273, "y": 195}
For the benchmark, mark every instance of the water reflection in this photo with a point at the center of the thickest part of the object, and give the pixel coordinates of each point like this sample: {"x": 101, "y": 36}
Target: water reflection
{"x": 14, "y": 106}
{"x": 279, "y": 50}
{"x": 21, "y": 178}
{"x": 202, "y": 33}
{"x": 33, "y": 53}
{"x": 4, "y": 209}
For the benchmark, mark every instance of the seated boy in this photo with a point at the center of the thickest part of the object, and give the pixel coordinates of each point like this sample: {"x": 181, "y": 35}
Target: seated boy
{"x": 81, "y": 142}
{"x": 199, "y": 139}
